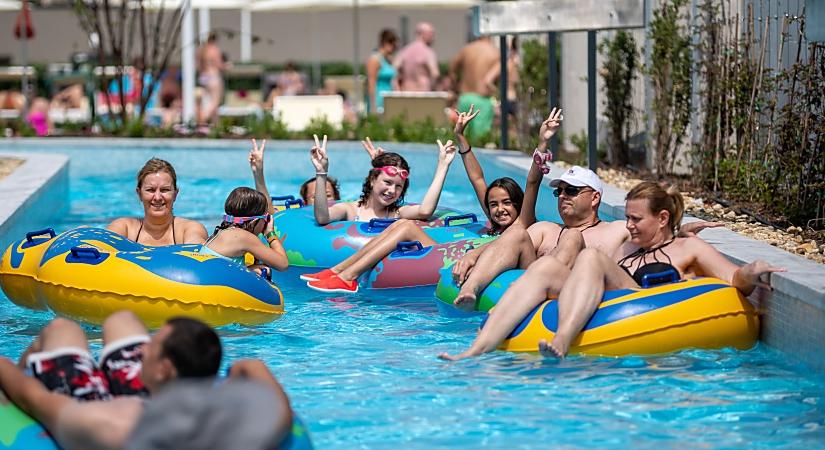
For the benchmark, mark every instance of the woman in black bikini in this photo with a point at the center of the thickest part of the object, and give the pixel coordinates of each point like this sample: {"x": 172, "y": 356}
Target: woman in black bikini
{"x": 653, "y": 255}
{"x": 157, "y": 190}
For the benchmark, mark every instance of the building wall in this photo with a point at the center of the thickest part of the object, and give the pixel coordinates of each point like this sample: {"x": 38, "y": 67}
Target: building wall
{"x": 301, "y": 36}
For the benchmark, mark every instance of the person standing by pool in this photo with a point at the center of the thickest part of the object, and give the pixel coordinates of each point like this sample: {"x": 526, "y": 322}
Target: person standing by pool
{"x": 382, "y": 196}
{"x": 85, "y": 406}
{"x": 380, "y": 71}
{"x": 210, "y": 76}
{"x": 469, "y": 69}
{"x": 157, "y": 190}
{"x": 417, "y": 63}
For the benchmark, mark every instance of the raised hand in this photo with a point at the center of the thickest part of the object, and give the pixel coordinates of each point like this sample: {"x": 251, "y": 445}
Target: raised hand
{"x": 318, "y": 155}
{"x": 371, "y": 150}
{"x": 464, "y": 118}
{"x": 446, "y": 152}
{"x": 550, "y": 125}
{"x": 256, "y": 156}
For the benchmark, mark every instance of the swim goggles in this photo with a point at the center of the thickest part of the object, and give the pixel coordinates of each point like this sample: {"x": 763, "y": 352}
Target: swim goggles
{"x": 393, "y": 171}
{"x": 542, "y": 160}
{"x": 244, "y": 219}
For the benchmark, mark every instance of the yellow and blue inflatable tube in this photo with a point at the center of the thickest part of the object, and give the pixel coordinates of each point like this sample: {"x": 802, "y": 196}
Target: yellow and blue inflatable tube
{"x": 696, "y": 313}
{"x": 88, "y": 273}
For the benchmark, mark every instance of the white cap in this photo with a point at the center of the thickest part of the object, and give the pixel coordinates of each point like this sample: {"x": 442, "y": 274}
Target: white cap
{"x": 579, "y": 176}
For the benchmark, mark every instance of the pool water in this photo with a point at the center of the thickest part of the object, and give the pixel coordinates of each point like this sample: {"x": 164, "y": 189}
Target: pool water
{"x": 363, "y": 373}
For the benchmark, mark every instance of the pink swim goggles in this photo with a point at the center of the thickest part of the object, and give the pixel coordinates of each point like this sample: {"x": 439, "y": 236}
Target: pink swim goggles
{"x": 542, "y": 160}
{"x": 393, "y": 171}
{"x": 244, "y": 219}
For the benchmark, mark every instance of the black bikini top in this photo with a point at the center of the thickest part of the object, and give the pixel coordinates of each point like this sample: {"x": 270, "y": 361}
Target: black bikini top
{"x": 173, "y": 231}
{"x": 651, "y": 274}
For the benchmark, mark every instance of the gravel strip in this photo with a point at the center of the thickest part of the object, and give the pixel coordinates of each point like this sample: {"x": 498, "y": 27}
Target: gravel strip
{"x": 793, "y": 239}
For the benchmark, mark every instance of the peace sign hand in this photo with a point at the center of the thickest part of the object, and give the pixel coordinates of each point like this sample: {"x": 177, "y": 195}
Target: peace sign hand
{"x": 550, "y": 125}
{"x": 256, "y": 156}
{"x": 318, "y": 155}
{"x": 446, "y": 152}
{"x": 464, "y": 118}
{"x": 371, "y": 150}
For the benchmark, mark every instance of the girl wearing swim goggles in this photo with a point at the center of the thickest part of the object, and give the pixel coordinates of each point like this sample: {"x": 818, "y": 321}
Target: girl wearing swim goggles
{"x": 247, "y": 217}
{"x": 382, "y": 196}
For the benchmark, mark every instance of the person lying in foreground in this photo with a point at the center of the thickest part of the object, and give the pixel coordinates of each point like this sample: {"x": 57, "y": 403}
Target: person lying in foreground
{"x": 85, "y": 406}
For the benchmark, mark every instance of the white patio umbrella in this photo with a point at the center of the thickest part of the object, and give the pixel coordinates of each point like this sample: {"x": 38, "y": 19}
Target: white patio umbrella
{"x": 9, "y": 5}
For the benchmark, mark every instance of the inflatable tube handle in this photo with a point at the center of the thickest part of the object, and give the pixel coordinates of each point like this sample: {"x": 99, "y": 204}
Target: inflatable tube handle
{"x": 266, "y": 273}
{"x": 380, "y": 222}
{"x": 471, "y": 216}
{"x": 409, "y": 246}
{"x": 31, "y": 234}
{"x": 86, "y": 255}
{"x": 281, "y": 198}
{"x": 288, "y": 204}
{"x": 77, "y": 252}
{"x": 655, "y": 279}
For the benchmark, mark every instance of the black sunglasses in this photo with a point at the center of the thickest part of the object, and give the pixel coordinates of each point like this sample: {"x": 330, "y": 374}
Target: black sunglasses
{"x": 570, "y": 191}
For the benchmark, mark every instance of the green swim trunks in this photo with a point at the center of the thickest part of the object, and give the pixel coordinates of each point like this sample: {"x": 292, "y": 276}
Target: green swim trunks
{"x": 483, "y": 123}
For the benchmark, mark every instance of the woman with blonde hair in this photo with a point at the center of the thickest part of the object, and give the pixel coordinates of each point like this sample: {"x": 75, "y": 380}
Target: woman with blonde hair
{"x": 654, "y": 255}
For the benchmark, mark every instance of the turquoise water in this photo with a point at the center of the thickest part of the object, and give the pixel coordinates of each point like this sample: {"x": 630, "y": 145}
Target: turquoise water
{"x": 363, "y": 373}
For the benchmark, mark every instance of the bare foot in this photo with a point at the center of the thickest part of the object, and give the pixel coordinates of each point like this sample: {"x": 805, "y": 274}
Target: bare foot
{"x": 465, "y": 300}
{"x": 547, "y": 349}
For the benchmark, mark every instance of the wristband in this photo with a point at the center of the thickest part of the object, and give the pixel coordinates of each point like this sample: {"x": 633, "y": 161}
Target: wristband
{"x": 469, "y": 149}
{"x": 320, "y": 173}
{"x": 271, "y": 235}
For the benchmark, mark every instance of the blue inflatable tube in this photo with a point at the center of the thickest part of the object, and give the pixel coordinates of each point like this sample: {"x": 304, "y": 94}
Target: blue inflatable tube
{"x": 311, "y": 247}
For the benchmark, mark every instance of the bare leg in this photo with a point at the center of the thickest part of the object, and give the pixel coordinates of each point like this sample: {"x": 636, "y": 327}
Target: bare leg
{"x": 57, "y": 334}
{"x": 571, "y": 243}
{"x": 122, "y": 324}
{"x": 383, "y": 245}
{"x": 592, "y": 273}
{"x": 513, "y": 249}
{"x": 543, "y": 278}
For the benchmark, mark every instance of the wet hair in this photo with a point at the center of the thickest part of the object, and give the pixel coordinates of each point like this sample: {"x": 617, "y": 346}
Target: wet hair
{"x": 193, "y": 347}
{"x": 384, "y": 159}
{"x": 661, "y": 198}
{"x": 156, "y": 165}
{"x": 242, "y": 202}
{"x": 336, "y": 194}
{"x": 515, "y": 193}
{"x": 387, "y": 36}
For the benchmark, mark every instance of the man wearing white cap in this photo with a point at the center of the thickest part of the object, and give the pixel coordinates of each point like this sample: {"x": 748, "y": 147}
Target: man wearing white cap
{"x": 546, "y": 250}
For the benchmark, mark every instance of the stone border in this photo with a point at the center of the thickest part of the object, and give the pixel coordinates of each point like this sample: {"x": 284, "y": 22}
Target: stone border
{"x": 793, "y": 316}
{"x": 39, "y": 186}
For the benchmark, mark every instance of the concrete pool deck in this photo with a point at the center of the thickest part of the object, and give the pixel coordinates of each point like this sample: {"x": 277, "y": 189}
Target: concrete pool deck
{"x": 793, "y": 316}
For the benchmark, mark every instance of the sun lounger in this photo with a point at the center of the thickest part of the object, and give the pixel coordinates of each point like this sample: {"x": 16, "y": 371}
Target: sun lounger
{"x": 296, "y": 111}
{"x": 417, "y": 106}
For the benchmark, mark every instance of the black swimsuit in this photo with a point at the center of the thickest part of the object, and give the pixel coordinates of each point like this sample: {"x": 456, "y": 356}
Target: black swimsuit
{"x": 651, "y": 274}
{"x": 173, "y": 231}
